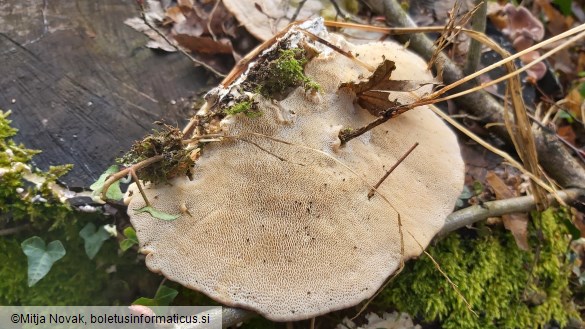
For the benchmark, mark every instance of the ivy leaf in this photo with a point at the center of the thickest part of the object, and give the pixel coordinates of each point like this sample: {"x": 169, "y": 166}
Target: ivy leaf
{"x": 114, "y": 191}
{"x": 163, "y": 297}
{"x": 156, "y": 213}
{"x": 131, "y": 239}
{"x": 372, "y": 94}
{"x": 94, "y": 239}
{"x": 40, "y": 257}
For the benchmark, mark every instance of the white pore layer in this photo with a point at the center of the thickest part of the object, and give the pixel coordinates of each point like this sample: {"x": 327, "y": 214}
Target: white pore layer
{"x": 289, "y": 232}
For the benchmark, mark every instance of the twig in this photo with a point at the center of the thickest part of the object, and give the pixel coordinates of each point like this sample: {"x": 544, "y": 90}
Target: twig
{"x": 470, "y": 215}
{"x": 371, "y": 193}
{"x": 137, "y": 181}
{"x": 178, "y": 47}
{"x": 338, "y": 10}
{"x": 296, "y": 14}
{"x": 478, "y": 23}
{"x": 215, "y": 5}
{"x": 346, "y": 135}
{"x": 123, "y": 173}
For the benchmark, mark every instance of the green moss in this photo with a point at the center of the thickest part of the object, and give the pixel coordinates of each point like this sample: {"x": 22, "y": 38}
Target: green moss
{"x": 246, "y": 107}
{"x": 286, "y": 72}
{"x": 167, "y": 141}
{"x": 507, "y": 287}
{"x": 276, "y": 75}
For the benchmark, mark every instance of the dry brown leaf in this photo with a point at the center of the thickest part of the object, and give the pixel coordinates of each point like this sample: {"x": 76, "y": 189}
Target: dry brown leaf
{"x": 372, "y": 94}
{"x": 567, "y": 133}
{"x": 517, "y": 223}
{"x": 204, "y": 45}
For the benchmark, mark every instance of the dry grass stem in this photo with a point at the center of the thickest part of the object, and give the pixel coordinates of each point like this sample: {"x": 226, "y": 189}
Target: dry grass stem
{"x": 495, "y": 150}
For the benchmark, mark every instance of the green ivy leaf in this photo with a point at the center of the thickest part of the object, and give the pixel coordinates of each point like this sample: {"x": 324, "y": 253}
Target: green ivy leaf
{"x": 40, "y": 257}
{"x": 114, "y": 191}
{"x": 163, "y": 297}
{"x": 156, "y": 213}
{"x": 131, "y": 239}
{"x": 94, "y": 239}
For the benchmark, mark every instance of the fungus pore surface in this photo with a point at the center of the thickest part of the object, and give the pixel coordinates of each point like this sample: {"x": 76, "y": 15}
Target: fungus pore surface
{"x": 287, "y": 229}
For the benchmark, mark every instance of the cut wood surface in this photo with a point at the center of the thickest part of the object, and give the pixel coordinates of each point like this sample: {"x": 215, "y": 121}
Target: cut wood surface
{"x": 82, "y": 86}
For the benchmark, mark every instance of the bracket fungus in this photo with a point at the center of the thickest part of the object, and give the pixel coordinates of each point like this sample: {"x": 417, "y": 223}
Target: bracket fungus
{"x": 276, "y": 217}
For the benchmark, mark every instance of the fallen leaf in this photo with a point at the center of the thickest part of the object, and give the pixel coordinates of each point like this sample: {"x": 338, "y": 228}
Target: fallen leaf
{"x": 156, "y": 213}
{"x": 517, "y": 223}
{"x": 372, "y": 94}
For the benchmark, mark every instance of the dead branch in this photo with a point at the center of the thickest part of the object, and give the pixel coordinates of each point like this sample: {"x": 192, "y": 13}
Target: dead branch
{"x": 556, "y": 160}
{"x": 473, "y": 214}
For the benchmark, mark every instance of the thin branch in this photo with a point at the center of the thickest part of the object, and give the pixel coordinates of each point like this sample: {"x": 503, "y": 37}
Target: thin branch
{"x": 137, "y": 181}
{"x": 215, "y": 5}
{"x": 404, "y": 156}
{"x": 297, "y": 12}
{"x": 338, "y": 10}
{"x": 473, "y": 214}
{"x": 123, "y": 173}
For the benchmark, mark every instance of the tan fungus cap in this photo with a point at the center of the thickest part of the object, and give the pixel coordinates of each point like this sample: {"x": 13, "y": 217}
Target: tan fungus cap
{"x": 291, "y": 234}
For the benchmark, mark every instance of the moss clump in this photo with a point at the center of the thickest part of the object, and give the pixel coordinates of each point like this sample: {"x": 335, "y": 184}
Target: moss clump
{"x": 167, "y": 142}
{"x": 246, "y": 107}
{"x": 507, "y": 287}
{"x": 276, "y": 75}
{"x": 285, "y": 73}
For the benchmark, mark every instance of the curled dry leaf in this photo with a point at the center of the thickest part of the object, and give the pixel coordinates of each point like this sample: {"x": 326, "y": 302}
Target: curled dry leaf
{"x": 517, "y": 223}
{"x": 373, "y": 94}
